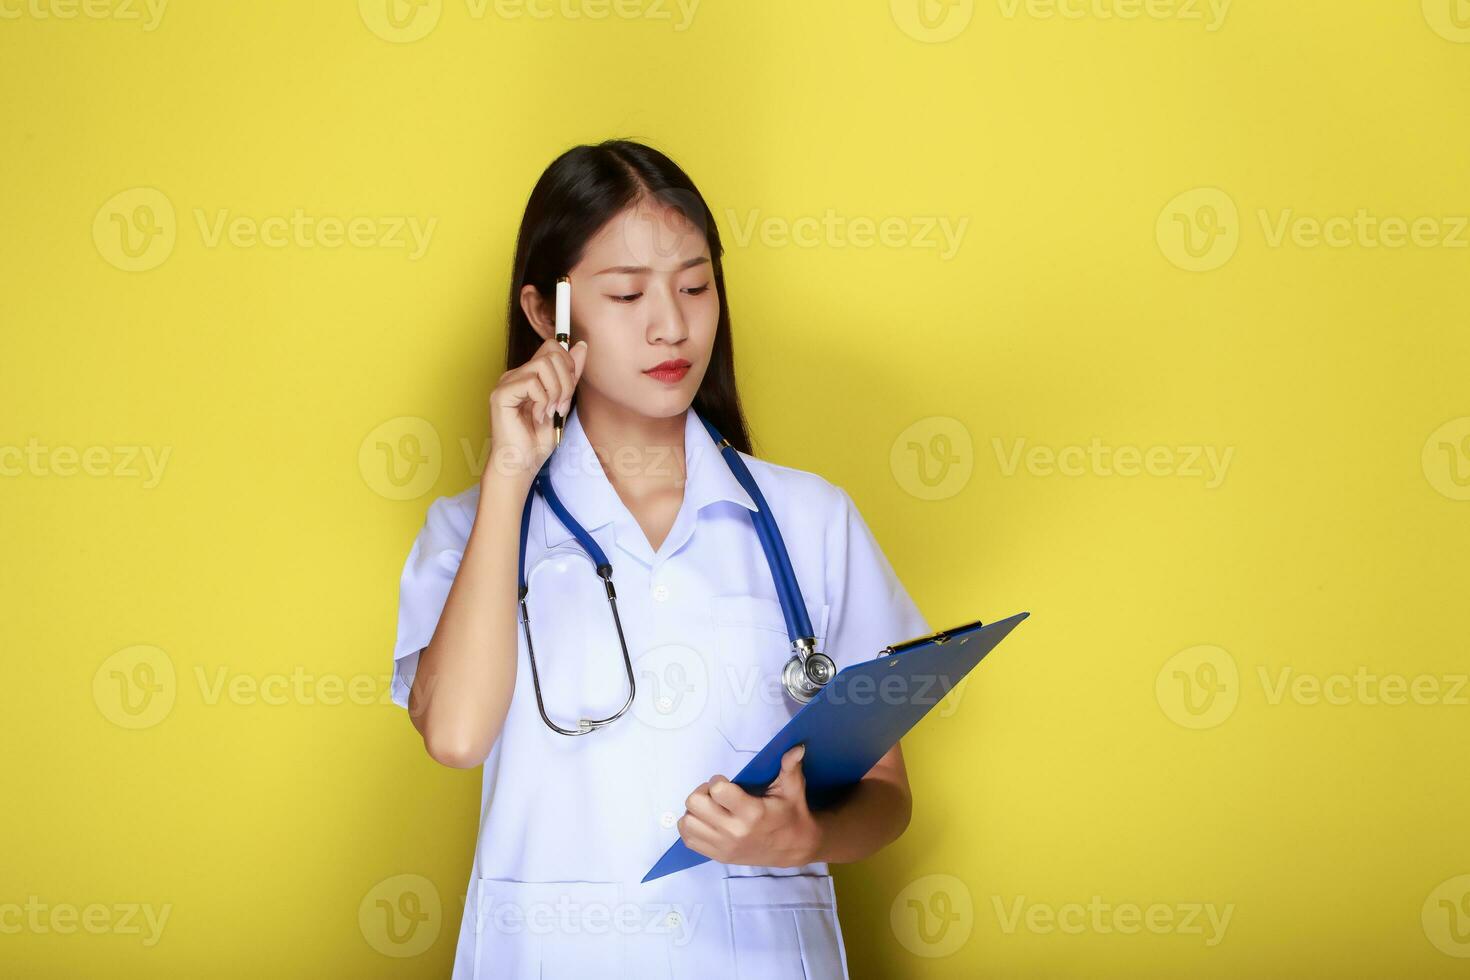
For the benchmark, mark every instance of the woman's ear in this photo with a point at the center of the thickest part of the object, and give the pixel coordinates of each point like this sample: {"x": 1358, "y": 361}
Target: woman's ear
{"x": 540, "y": 311}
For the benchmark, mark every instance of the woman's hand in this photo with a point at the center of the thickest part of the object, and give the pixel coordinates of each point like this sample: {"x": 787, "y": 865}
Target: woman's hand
{"x": 522, "y": 435}
{"x": 776, "y": 830}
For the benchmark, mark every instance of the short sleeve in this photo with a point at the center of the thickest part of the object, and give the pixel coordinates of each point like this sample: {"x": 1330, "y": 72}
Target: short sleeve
{"x": 433, "y": 561}
{"x": 870, "y": 607}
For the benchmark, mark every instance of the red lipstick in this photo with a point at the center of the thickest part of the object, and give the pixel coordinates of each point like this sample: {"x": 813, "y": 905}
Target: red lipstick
{"x": 669, "y": 372}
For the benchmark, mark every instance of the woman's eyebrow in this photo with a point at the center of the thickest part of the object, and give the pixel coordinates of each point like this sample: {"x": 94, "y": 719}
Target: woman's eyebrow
{"x": 638, "y": 269}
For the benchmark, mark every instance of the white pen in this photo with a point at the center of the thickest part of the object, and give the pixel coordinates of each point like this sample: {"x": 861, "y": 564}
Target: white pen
{"x": 563, "y": 335}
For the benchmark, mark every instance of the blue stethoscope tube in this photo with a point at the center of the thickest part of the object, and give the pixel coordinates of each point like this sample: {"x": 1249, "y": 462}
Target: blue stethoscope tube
{"x": 806, "y": 671}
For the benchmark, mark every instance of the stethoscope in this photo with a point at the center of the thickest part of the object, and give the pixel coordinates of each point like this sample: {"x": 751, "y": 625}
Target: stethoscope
{"x": 806, "y": 671}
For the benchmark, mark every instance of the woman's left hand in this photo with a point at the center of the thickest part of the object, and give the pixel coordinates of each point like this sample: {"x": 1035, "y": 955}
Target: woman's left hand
{"x": 727, "y": 824}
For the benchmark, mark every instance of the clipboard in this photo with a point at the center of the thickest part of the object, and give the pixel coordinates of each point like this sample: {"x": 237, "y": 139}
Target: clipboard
{"x": 858, "y": 716}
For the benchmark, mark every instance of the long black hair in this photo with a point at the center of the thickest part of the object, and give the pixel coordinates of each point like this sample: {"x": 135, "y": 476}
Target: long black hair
{"x": 576, "y": 195}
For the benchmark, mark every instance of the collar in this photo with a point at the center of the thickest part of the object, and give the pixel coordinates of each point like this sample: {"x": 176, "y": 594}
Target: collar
{"x": 583, "y": 488}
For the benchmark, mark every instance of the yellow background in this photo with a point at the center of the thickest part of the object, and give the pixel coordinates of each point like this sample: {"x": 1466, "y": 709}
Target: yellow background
{"x": 1077, "y": 763}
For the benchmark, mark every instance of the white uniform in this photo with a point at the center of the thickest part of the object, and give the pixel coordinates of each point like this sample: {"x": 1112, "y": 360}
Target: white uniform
{"x": 569, "y": 825}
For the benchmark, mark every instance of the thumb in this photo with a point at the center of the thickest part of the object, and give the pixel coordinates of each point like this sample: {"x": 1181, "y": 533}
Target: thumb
{"x": 790, "y": 775}
{"x": 579, "y": 355}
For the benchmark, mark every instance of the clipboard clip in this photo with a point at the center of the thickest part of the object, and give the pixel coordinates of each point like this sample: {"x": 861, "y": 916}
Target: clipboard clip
{"x": 938, "y": 637}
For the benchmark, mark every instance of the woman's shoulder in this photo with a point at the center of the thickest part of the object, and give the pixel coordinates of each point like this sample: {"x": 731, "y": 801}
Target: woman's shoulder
{"x": 812, "y": 494}
{"x": 450, "y": 518}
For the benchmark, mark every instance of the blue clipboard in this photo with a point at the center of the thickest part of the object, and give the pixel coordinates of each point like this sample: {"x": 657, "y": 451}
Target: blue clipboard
{"x": 858, "y": 716}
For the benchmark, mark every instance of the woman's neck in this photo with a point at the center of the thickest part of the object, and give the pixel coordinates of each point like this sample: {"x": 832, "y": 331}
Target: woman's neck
{"x": 639, "y": 454}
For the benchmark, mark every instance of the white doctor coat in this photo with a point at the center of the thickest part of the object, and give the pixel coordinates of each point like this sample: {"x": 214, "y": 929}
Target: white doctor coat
{"x": 569, "y": 825}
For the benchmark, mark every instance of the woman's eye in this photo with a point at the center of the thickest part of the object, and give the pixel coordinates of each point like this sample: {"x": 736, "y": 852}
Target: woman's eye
{"x": 630, "y": 297}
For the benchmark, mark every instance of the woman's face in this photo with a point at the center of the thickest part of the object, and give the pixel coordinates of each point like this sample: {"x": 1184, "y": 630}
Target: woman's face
{"x": 643, "y": 294}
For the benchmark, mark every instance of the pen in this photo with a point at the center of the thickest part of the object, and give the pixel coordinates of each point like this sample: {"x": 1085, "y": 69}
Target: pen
{"x": 563, "y": 336}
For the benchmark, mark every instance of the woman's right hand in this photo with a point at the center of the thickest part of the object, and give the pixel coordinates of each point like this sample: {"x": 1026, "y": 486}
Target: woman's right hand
{"x": 522, "y": 436}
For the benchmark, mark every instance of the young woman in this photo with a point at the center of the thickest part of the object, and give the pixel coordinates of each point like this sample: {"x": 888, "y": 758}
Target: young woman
{"x": 571, "y": 820}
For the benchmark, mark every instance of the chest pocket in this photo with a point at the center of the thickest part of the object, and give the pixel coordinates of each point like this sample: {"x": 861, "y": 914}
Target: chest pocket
{"x": 751, "y": 649}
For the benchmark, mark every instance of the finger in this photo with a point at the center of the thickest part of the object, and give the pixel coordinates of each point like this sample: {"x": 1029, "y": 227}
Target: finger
{"x": 714, "y": 815}
{"x": 561, "y": 363}
{"x": 791, "y": 780}
{"x": 703, "y": 843}
{"x": 734, "y": 800}
{"x": 546, "y": 371}
{"x": 692, "y": 828}
{"x": 701, "y": 790}
{"x": 578, "y": 354}
{"x": 530, "y": 393}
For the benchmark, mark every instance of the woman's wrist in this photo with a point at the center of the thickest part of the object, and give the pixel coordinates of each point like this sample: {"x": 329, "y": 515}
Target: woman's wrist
{"x": 503, "y": 480}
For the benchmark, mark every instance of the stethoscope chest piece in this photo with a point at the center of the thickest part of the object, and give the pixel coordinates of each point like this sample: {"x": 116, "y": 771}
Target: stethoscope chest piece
{"x": 805, "y": 674}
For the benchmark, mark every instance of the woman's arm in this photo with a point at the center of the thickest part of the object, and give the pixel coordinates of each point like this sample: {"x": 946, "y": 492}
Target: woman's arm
{"x": 467, "y": 673}
{"x": 869, "y": 818}
{"x": 778, "y": 830}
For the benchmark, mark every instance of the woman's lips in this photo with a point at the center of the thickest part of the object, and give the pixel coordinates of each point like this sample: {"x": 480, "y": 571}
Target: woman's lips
{"x": 669, "y": 372}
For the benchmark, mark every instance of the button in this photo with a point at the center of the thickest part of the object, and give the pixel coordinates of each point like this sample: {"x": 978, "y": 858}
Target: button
{"x": 665, "y": 704}
{"x": 666, "y": 819}
{"x": 673, "y": 919}
{"x": 661, "y": 592}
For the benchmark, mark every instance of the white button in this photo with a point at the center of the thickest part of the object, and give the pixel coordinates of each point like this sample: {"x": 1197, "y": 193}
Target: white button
{"x": 661, "y": 592}
{"x": 673, "y": 919}
{"x": 665, "y": 704}
{"x": 666, "y": 819}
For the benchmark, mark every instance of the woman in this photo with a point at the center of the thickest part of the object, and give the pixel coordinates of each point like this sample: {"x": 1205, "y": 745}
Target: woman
{"x": 570, "y": 824}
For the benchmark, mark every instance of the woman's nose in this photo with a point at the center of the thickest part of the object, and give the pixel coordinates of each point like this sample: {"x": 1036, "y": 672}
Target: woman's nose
{"x": 667, "y": 319}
